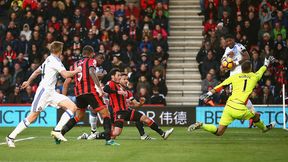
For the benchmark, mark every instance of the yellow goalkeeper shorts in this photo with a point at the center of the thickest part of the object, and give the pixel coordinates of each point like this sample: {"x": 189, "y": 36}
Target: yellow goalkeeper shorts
{"x": 234, "y": 111}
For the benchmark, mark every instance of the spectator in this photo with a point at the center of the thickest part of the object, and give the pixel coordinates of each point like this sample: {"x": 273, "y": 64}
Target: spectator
{"x": 157, "y": 30}
{"x": 161, "y": 19}
{"x": 159, "y": 41}
{"x": 28, "y": 95}
{"x": 21, "y": 61}
{"x": 92, "y": 20}
{"x": 107, "y": 20}
{"x": 279, "y": 30}
{"x": 143, "y": 92}
{"x": 160, "y": 85}
{"x": 2, "y": 96}
{"x": 14, "y": 97}
{"x": 18, "y": 76}
{"x": 161, "y": 56}
{"x": 211, "y": 12}
{"x": 157, "y": 98}
{"x": 257, "y": 63}
{"x": 209, "y": 63}
{"x": 266, "y": 97}
{"x": 225, "y": 95}
{"x": 26, "y": 32}
{"x": 208, "y": 83}
{"x": 4, "y": 84}
{"x": 9, "y": 54}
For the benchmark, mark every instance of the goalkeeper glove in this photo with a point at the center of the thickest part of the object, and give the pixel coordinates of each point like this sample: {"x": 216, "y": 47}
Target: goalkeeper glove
{"x": 206, "y": 96}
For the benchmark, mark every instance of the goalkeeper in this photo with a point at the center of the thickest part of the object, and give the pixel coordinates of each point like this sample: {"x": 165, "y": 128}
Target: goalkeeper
{"x": 243, "y": 85}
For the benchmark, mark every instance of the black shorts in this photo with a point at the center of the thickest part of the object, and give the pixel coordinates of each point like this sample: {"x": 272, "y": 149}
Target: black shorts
{"x": 126, "y": 115}
{"x": 93, "y": 100}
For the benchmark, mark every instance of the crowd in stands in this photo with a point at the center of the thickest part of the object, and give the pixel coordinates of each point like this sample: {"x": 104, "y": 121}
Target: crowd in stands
{"x": 131, "y": 36}
{"x": 261, "y": 26}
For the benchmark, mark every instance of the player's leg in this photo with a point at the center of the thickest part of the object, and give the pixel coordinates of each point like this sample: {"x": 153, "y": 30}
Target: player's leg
{"x": 137, "y": 116}
{"x": 140, "y": 127}
{"x": 70, "y": 108}
{"x": 260, "y": 124}
{"x": 21, "y": 127}
{"x": 93, "y": 122}
{"x": 225, "y": 120}
{"x": 80, "y": 114}
{"x": 39, "y": 103}
{"x": 119, "y": 123}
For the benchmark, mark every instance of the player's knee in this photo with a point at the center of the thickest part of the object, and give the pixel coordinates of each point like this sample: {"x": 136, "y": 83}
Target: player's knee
{"x": 256, "y": 117}
{"x": 144, "y": 119}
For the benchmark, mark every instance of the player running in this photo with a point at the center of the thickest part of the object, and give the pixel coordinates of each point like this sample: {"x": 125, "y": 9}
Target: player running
{"x": 243, "y": 85}
{"x": 46, "y": 94}
{"x": 88, "y": 92}
{"x": 118, "y": 97}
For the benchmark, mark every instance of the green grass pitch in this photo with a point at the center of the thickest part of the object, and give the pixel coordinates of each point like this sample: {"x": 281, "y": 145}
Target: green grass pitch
{"x": 245, "y": 145}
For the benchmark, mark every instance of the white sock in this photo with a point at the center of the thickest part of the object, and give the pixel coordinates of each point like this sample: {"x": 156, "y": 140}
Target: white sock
{"x": 66, "y": 116}
{"x": 93, "y": 121}
{"x": 20, "y": 127}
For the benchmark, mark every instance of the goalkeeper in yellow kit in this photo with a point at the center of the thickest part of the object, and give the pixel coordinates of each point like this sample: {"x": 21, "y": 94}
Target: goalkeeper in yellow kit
{"x": 243, "y": 85}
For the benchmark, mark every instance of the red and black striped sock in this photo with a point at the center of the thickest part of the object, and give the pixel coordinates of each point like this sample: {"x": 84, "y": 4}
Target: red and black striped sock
{"x": 69, "y": 125}
{"x": 107, "y": 128}
{"x": 155, "y": 127}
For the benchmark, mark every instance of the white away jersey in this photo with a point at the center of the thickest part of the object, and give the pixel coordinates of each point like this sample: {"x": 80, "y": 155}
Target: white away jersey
{"x": 49, "y": 71}
{"x": 238, "y": 49}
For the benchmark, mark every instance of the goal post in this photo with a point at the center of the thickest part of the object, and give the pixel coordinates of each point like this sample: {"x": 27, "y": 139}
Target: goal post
{"x": 284, "y": 106}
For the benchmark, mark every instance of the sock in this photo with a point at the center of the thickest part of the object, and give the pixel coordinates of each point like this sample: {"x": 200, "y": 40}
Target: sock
{"x": 155, "y": 127}
{"x": 100, "y": 135}
{"x": 107, "y": 128}
{"x": 20, "y": 127}
{"x": 260, "y": 124}
{"x": 69, "y": 125}
{"x": 66, "y": 116}
{"x": 93, "y": 122}
{"x": 210, "y": 128}
{"x": 140, "y": 126}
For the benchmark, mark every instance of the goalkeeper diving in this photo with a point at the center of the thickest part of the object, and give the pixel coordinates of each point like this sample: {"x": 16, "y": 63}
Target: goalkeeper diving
{"x": 243, "y": 85}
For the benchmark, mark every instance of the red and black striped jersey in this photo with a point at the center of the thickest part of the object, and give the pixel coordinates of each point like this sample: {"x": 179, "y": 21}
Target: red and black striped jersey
{"x": 117, "y": 101}
{"x": 84, "y": 83}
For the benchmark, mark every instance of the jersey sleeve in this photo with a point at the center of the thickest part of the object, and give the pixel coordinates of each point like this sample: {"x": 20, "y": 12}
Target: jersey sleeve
{"x": 260, "y": 72}
{"x": 110, "y": 87}
{"x": 226, "y": 82}
{"x": 241, "y": 48}
{"x": 92, "y": 63}
{"x": 225, "y": 55}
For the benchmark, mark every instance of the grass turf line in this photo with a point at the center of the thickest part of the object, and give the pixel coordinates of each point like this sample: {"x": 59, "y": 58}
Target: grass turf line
{"x": 236, "y": 145}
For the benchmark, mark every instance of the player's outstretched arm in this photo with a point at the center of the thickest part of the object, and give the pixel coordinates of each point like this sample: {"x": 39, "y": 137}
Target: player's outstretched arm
{"x": 68, "y": 74}
{"x": 94, "y": 77}
{"x": 31, "y": 78}
{"x": 66, "y": 85}
{"x": 262, "y": 70}
{"x": 216, "y": 89}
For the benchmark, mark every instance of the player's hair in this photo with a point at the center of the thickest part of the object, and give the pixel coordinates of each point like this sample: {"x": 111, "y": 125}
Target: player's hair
{"x": 100, "y": 56}
{"x": 56, "y": 47}
{"x": 229, "y": 36}
{"x": 87, "y": 50}
{"x": 114, "y": 71}
{"x": 246, "y": 66}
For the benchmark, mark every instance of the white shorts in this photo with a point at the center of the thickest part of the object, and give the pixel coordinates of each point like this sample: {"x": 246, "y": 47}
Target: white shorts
{"x": 250, "y": 106}
{"x": 43, "y": 98}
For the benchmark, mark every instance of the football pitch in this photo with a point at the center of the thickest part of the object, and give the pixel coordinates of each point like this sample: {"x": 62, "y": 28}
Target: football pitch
{"x": 245, "y": 145}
